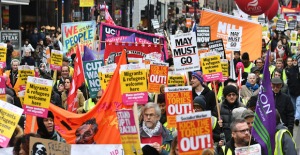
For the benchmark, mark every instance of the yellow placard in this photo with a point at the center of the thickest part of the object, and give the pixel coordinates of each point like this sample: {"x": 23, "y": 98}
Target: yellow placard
{"x": 133, "y": 81}
{"x": 3, "y": 54}
{"x": 275, "y": 19}
{"x": 291, "y": 18}
{"x": 293, "y": 36}
{"x": 23, "y": 75}
{"x": 176, "y": 79}
{"x": 86, "y": 3}
{"x": 56, "y": 59}
{"x": 211, "y": 65}
{"x": 37, "y": 95}
{"x": 225, "y": 69}
{"x": 104, "y": 79}
{"x": 265, "y": 28}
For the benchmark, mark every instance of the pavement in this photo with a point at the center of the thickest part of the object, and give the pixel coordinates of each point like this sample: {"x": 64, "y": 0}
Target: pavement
{"x": 296, "y": 137}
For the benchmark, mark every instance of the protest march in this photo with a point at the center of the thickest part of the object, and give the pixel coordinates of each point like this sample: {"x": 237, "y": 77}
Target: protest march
{"x": 214, "y": 84}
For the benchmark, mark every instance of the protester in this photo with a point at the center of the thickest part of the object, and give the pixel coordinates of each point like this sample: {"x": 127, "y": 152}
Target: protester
{"x": 218, "y": 88}
{"x": 251, "y": 87}
{"x": 246, "y": 62}
{"x": 170, "y": 59}
{"x": 280, "y": 51}
{"x": 162, "y": 89}
{"x": 43, "y": 71}
{"x": 9, "y": 52}
{"x": 256, "y": 71}
{"x": 251, "y": 104}
{"x": 260, "y": 65}
{"x": 273, "y": 42}
{"x": 289, "y": 62}
{"x": 91, "y": 102}
{"x": 65, "y": 71}
{"x": 13, "y": 80}
{"x": 278, "y": 73}
{"x": 279, "y": 65}
{"x": 39, "y": 52}
{"x": 35, "y": 38}
{"x": 174, "y": 147}
{"x": 244, "y": 77}
{"x": 66, "y": 63}
{"x": 15, "y": 136}
{"x": 237, "y": 58}
{"x": 22, "y": 145}
{"x": 27, "y": 47}
{"x": 248, "y": 115}
{"x": 27, "y": 59}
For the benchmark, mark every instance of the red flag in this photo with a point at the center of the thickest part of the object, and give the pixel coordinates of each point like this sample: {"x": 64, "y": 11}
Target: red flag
{"x": 290, "y": 4}
{"x": 108, "y": 18}
{"x": 298, "y": 7}
{"x": 220, "y": 10}
{"x": 239, "y": 81}
{"x": 77, "y": 80}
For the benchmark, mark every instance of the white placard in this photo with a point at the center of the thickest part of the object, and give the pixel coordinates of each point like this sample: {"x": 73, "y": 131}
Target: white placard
{"x": 234, "y": 40}
{"x": 253, "y": 150}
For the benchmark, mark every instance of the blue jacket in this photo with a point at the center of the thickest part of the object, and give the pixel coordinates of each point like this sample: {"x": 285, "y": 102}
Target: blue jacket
{"x": 29, "y": 60}
{"x": 35, "y": 38}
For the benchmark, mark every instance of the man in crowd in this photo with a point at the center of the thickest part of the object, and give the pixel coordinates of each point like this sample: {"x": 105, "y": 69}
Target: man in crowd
{"x": 35, "y": 38}
{"x": 66, "y": 63}
{"x": 248, "y": 115}
{"x": 9, "y": 51}
{"x": 91, "y": 102}
{"x": 39, "y": 52}
{"x": 13, "y": 75}
{"x": 152, "y": 131}
{"x": 65, "y": 71}
{"x": 28, "y": 60}
{"x": 260, "y": 65}
{"x": 246, "y": 62}
{"x": 200, "y": 89}
{"x": 256, "y": 71}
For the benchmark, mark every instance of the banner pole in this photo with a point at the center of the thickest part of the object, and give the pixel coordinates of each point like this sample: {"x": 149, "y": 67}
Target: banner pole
{"x": 187, "y": 79}
{"x": 32, "y": 124}
{"x": 217, "y": 101}
{"x": 155, "y": 98}
{"x": 249, "y": 145}
{"x": 168, "y": 40}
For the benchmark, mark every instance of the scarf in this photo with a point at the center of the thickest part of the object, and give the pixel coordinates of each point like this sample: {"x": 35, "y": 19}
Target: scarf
{"x": 280, "y": 51}
{"x": 253, "y": 88}
{"x": 151, "y": 132}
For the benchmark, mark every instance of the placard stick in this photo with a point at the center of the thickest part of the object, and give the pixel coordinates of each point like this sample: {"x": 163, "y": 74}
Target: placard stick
{"x": 32, "y": 124}
{"x": 136, "y": 118}
{"x": 155, "y": 98}
{"x": 188, "y": 79}
{"x": 168, "y": 40}
{"x": 176, "y": 84}
{"x": 249, "y": 145}
{"x": 219, "y": 116}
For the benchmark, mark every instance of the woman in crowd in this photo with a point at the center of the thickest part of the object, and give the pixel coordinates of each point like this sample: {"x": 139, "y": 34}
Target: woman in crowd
{"x": 280, "y": 51}
{"x": 251, "y": 87}
{"x": 174, "y": 147}
{"x": 240, "y": 66}
{"x": 22, "y": 145}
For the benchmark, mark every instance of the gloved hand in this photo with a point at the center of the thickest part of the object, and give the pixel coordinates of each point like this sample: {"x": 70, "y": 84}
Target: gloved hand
{"x": 291, "y": 130}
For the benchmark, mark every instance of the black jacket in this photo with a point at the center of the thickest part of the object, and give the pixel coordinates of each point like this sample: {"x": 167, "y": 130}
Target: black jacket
{"x": 284, "y": 105}
{"x": 10, "y": 49}
{"x": 287, "y": 143}
{"x": 293, "y": 80}
{"x": 56, "y": 99}
{"x": 209, "y": 98}
{"x": 29, "y": 60}
{"x": 226, "y": 115}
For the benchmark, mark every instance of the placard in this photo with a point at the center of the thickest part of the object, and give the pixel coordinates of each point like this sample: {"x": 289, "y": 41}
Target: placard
{"x": 155, "y": 23}
{"x": 24, "y": 72}
{"x": 280, "y": 26}
{"x": 3, "y": 51}
{"x": 185, "y": 54}
{"x": 37, "y": 96}
{"x": 218, "y": 47}
{"x": 175, "y": 78}
{"x": 48, "y": 147}
{"x": 56, "y": 60}
{"x": 203, "y": 36}
{"x": 251, "y": 150}
{"x": 261, "y": 20}
{"x": 86, "y": 3}
{"x": 105, "y": 74}
{"x": 9, "y": 118}
{"x": 133, "y": 84}
{"x": 294, "y": 36}
{"x": 195, "y": 128}
{"x": 234, "y": 40}
{"x": 225, "y": 72}
{"x": 188, "y": 22}
{"x": 292, "y": 25}
{"x": 128, "y": 131}
{"x": 14, "y": 36}
{"x": 298, "y": 18}
{"x": 158, "y": 76}
{"x": 92, "y": 76}
{"x": 2, "y": 88}
{"x": 211, "y": 66}
{"x": 179, "y": 100}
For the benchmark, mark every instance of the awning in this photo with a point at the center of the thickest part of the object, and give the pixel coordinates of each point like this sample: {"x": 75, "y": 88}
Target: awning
{"x": 15, "y": 2}
{"x": 192, "y": 10}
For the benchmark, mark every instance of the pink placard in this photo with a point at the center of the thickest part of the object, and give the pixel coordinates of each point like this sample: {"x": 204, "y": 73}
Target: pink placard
{"x": 213, "y": 77}
{"x": 35, "y": 111}
{"x": 4, "y": 141}
{"x": 2, "y": 64}
{"x": 139, "y": 98}
{"x": 22, "y": 87}
{"x": 126, "y": 120}
{"x": 55, "y": 67}
{"x": 2, "y": 86}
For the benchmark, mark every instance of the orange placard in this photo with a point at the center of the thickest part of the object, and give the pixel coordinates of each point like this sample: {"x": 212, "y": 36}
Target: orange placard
{"x": 220, "y": 23}
{"x": 158, "y": 76}
{"x": 188, "y": 22}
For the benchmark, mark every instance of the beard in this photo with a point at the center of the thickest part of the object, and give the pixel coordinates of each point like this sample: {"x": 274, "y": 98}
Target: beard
{"x": 242, "y": 141}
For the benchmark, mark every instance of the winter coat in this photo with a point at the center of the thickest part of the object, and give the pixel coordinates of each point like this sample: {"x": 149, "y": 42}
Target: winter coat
{"x": 80, "y": 101}
{"x": 293, "y": 80}
{"x": 35, "y": 38}
{"x": 9, "y": 51}
{"x": 27, "y": 47}
{"x": 287, "y": 143}
{"x": 278, "y": 56}
{"x": 209, "y": 98}
{"x": 39, "y": 52}
{"x": 29, "y": 60}
{"x": 246, "y": 92}
{"x": 56, "y": 99}
{"x": 226, "y": 115}
{"x": 10, "y": 83}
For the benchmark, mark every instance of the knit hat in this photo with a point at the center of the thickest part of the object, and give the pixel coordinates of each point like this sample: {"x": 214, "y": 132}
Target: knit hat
{"x": 198, "y": 75}
{"x": 228, "y": 89}
{"x": 200, "y": 101}
{"x": 148, "y": 150}
{"x": 245, "y": 56}
{"x": 294, "y": 57}
{"x": 238, "y": 52}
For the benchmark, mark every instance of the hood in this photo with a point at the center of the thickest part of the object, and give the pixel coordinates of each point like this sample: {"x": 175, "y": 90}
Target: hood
{"x": 42, "y": 130}
{"x": 205, "y": 90}
{"x": 280, "y": 126}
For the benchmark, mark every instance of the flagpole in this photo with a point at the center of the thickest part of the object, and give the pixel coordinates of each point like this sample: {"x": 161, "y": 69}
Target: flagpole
{"x": 241, "y": 83}
{"x": 249, "y": 144}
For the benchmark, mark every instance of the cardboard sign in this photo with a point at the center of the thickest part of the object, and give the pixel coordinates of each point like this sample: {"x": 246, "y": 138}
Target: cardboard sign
{"x": 194, "y": 129}
{"x": 128, "y": 131}
{"x": 48, "y": 147}
{"x": 179, "y": 100}
{"x": 3, "y": 51}
{"x": 92, "y": 76}
{"x": 234, "y": 40}
{"x": 185, "y": 54}
{"x": 188, "y": 22}
{"x": 24, "y": 72}
{"x": 105, "y": 74}
{"x": 176, "y": 78}
{"x": 253, "y": 150}
{"x": 294, "y": 36}
{"x": 218, "y": 47}
{"x": 56, "y": 60}
{"x": 280, "y": 26}
{"x": 225, "y": 72}
{"x": 133, "y": 84}
{"x": 9, "y": 118}
{"x": 292, "y": 25}
{"x": 2, "y": 88}
{"x": 37, "y": 96}
{"x": 158, "y": 76}
{"x": 203, "y": 35}
{"x": 211, "y": 66}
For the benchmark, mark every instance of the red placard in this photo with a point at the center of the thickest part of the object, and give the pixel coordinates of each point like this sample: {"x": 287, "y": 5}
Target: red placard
{"x": 158, "y": 76}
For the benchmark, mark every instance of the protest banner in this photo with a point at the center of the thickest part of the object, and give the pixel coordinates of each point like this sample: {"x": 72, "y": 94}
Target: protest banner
{"x": 221, "y": 22}
{"x": 129, "y": 133}
{"x": 43, "y": 146}
{"x": 195, "y": 133}
{"x": 294, "y": 36}
{"x": 176, "y": 79}
{"x": 105, "y": 74}
{"x": 292, "y": 25}
{"x": 225, "y": 72}
{"x": 188, "y": 22}
{"x": 9, "y": 118}
{"x": 82, "y": 32}
{"x": 179, "y": 100}
{"x": 133, "y": 84}
{"x": 234, "y": 40}
{"x": 185, "y": 54}
{"x": 280, "y": 26}
{"x": 203, "y": 35}
{"x": 2, "y": 88}
{"x": 218, "y": 47}
{"x": 24, "y": 72}
{"x": 44, "y": 59}
{"x": 158, "y": 75}
{"x": 37, "y": 96}
{"x": 92, "y": 76}
{"x": 211, "y": 66}
{"x": 261, "y": 20}
{"x": 3, "y": 49}
{"x": 254, "y": 149}
{"x": 56, "y": 60}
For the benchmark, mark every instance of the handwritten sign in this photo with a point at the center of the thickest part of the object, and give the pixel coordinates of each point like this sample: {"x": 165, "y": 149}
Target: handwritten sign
{"x": 105, "y": 74}
{"x": 56, "y": 60}
{"x": 133, "y": 84}
{"x": 179, "y": 100}
{"x": 195, "y": 128}
{"x": 24, "y": 72}
{"x": 234, "y": 40}
{"x": 224, "y": 64}
{"x": 48, "y": 147}
{"x": 37, "y": 96}
{"x": 158, "y": 76}
{"x": 176, "y": 78}
{"x": 9, "y": 118}
{"x": 3, "y": 51}
{"x": 211, "y": 66}
{"x": 128, "y": 131}
{"x": 92, "y": 76}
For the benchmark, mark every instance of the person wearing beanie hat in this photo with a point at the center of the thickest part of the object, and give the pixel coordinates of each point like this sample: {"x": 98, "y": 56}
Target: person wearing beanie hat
{"x": 226, "y": 107}
{"x": 200, "y": 89}
{"x": 237, "y": 58}
{"x": 46, "y": 128}
{"x": 247, "y": 63}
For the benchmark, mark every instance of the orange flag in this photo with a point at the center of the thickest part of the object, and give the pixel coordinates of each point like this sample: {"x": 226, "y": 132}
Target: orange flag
{"x": 101, "y": 122}
{"x": 290, "y": 4}
{"x": 298, "y": 7}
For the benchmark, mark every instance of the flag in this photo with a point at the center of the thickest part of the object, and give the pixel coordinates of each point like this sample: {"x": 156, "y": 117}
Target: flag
{"x": 194, "y": 29}
{"x": 60, "y": 45}
{"x": 264, "y": 124}
{"x": 220, "y": 10}
{"x": 77, "y": 80}
{"x": 89, "y": 55}
{"x": 239, "y": 81}
{"x": 108, "y": 18}
{"x": 298, "y": 7}
{"x": 232, "y": 69}
{"x": 290, "y": 4}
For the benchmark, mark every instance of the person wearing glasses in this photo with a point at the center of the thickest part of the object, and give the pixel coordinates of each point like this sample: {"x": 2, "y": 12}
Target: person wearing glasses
{"x": 152, "y": 131}
{"x": 293, "y": 77}
{"x": 91, "y": 102}
{"x": 226, "y": 107}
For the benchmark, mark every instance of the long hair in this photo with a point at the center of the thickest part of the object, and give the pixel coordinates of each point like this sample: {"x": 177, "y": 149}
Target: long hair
{"x": 174, "y": 145}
